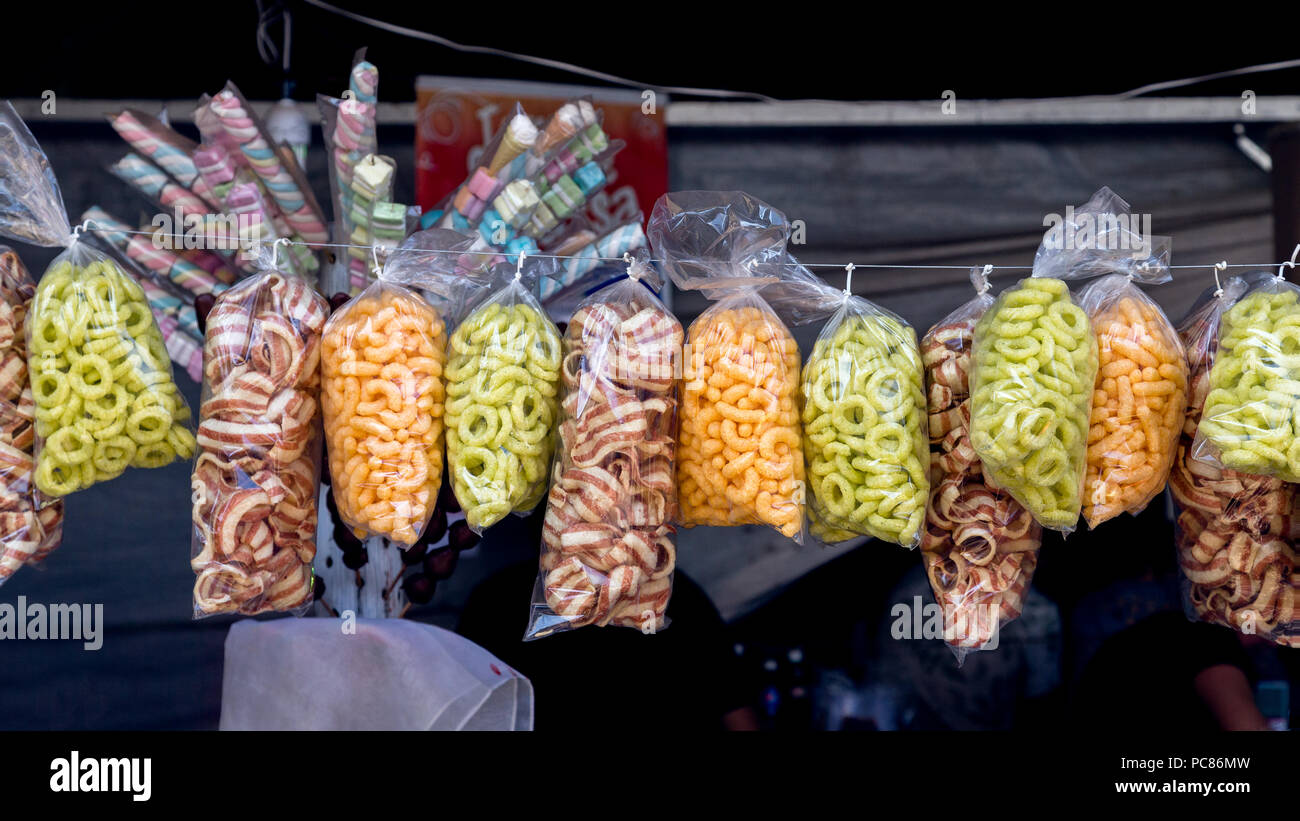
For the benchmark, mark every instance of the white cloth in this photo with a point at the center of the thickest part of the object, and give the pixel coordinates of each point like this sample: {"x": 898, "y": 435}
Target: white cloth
{"x": 392, "y": 674}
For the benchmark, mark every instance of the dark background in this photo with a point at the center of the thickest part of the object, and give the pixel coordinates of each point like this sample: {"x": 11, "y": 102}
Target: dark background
{"x": 809, "y": 50}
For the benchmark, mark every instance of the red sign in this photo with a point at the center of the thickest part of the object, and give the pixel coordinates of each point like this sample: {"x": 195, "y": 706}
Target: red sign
{"x": 456, "y": 117}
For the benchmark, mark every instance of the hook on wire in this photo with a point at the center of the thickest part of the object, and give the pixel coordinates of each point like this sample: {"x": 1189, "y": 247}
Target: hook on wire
{"x": 848, "y": 279}
{"x": 1221, "y": 265}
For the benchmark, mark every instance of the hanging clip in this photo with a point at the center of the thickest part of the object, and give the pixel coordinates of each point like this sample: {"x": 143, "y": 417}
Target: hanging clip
{"x": 77, "y": 231}
{"x": 519, "y": 265}
{"x": 633, "y": 270}
{"x": 1221, "y": 265}
{"x": 275, "y": 250}
{"x": 848, "y": 279}
{"x": 1289, "y": 263}
{"x": 983, "y": 287}
{"x": 374, "y": 256}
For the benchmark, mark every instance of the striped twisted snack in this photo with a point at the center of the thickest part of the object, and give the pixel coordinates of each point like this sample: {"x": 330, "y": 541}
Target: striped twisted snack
{"x": 740, "y": 454}
{"x": 1236, "y": 532}
{"x": 608, "y": 553}
{"x": 980, "y": 546}
{"x": 383, "y": 363}
{"x": 257, "y": 474}
{"x": 27, "y": 535}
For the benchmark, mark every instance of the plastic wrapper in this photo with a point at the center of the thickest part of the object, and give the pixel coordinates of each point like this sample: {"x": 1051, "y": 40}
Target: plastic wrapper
{"x": 1250, "y": 419}
{"x": 27, "y": 533}
{"x": 503, "y": 380}
{"x": 382, "y": 364}
{"x": 1235, "y": 531}
{"x": 1031, "y": 390}
{"x": 980, "y": 546}
{"x": 864, "y": 428}
{"x": 607, "y": 540}
{"x": 257, "y": 476}
{"x": 739, "y": 450}
{"x": 100, "y": 374}
{"x": 1036, "y": 358}
{"x": 1138, "y": 400}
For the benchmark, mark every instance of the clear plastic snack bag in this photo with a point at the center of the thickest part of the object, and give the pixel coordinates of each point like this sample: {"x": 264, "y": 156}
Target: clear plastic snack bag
{"x": 1138, "y": 400}
{"x": 739, "y": 449}
{"x": 100, "y": 373}
{"x": 1036, "y": 359}
{"x": 980, "y": 545}
{"x": 503, "y": 381}
{"x": 1250, "y": 420}
{"x": 28, "y": 533}
{"x": 1235, "y": 531}
{"x": 607, "y": 541}
{"x": 257, "y": 476}
{"x": 383, "y": 364}
{"x": 862, "y": 398}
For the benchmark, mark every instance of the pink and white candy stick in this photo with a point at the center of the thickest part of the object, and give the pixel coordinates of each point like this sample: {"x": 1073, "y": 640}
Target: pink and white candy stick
{"x": 266, "y": 163}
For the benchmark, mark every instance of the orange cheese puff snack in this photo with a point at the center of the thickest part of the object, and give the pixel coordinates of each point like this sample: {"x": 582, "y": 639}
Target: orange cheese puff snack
{"x": 739, "y": 458}
{"x": 382, "y": 360}
{"x": 1138, "y": 402}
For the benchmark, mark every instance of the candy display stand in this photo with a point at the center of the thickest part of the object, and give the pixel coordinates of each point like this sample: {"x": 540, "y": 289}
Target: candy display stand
{"x": 381, "y": 674}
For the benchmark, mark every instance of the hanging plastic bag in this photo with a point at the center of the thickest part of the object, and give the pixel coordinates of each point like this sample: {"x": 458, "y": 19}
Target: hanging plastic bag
{"x": 607, "y": 541}
{"x": 100, "y": 374}
{"x": 739, "y": 452}
{"x": 383, "y": 362}
{"x": 27, "y": 533}
{"x": 980, "y": 545}
{"x": 1138, "y": 400}
{"x": 1236, "y": 546}
{"x": 863, "y": 412}
{"x": 1250, "y": 418}
{"x": 503, "y": 379}
{"x": 1036, "y": 359}
{"x": 257, "y": 475}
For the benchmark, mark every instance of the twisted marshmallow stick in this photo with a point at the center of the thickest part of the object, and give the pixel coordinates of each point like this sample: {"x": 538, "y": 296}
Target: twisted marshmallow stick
{"x": 256, "y": 479}
{"x": 264, "y": 160}
{"x": 608, "y": 553}
{"x": 1235, "y": 533}
{"x": 980, "y": 545}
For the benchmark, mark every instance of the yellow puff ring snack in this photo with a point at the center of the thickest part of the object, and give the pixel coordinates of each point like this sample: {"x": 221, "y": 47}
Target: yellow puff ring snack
{"x": 382, "y": 360}
{"x": 1031, "y": 391}
{"x": 1138, "y": 403}
{"x": 864, "y": 436}
{"x": 1250, "y": 413}
{"x": 101, "y": 380}
{"x": 503, "y": 379}
{"x": 739, "y": 454}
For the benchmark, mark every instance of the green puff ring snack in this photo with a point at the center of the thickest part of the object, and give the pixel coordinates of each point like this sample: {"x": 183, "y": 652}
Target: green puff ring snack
{"x": 503, "y": 376}
{"x": 1035, "y": 359}
{"x": 864, "y": 429}
{"x": 1250, "y": 411}
{"x": 101, "y": 379}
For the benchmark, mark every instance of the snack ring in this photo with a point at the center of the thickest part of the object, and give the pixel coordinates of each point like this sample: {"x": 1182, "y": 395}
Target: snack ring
{"x": 257, "y": 476}
{"x": 102, "y": 381}
{"x": 980, "y": 546}
{"x": 1035, "y": 359}
{"x": 607, "y": 540}
{"x": 1250, "y": 412}
{"x": 864, "y": 431}
{"x": 1235, "y": 533}
{"x": 503, "y": 378}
